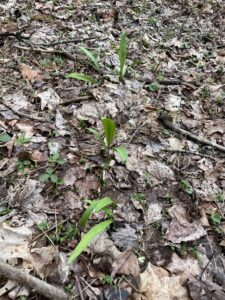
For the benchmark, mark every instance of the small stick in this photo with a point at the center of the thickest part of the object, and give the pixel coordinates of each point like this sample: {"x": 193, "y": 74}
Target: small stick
{"x": 53, "y": 51}
{"x": 167, "y": 121}
{"x": 40, "y": 286}
{"x": 189, "y": 152}
{"x": 78, "y": 99}
{"x": 69, "y": 41}
{"x": 20, "y": 114}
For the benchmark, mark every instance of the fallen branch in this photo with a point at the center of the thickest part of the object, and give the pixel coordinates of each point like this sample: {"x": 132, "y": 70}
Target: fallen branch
{"x": 167, "y": 121}
{"x": 39, "y": 286}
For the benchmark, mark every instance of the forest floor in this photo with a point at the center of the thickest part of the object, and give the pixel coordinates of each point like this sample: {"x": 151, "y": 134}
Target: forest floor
{"x": 165, "y": 203}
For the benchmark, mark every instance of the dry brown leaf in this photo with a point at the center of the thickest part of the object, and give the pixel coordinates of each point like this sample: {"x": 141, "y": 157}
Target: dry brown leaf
{"x": 126, "y": 264}
{"x": 28, "y": 73}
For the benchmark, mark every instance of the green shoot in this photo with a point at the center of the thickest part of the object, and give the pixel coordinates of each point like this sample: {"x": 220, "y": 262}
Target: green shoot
{"x": 22, "y": 164}
{"x": 50, "y": 175}
{"x": 215, "y": 218}
{"x": 56, "y": 159}
{"x": 109, "y": 130}
{"x": 95, "y": 206}
{"x": 122, "y": 56}
{"x": 22, "y": 139}
{"x": 92, "y": 58}
{"x": 82, "y": 77}
{"x": 87, "y": 239}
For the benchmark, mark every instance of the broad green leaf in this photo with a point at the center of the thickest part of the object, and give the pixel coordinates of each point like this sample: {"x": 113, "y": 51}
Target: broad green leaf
{"x": 83, "y": 77}
{"x": 109, "y": 130}
{"x": 54, "y": 178}
{"x": 4, "y": 137}
{"x": 44, "y": 177}
{"x": 122, "y": 55}
{"x": 50, "y": 171}
{"x": 87, "y": 238}
{"x": 122, "y": 151}
{"x": 91, "y": 56}
{"x": 95, "y": 206}
{"x": 215, "y": 218}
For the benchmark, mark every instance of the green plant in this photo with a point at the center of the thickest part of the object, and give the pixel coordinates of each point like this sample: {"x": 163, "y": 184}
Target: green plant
{"x": 122, "y": 56}
{"x": 94, "y": 207}
{"x": 196, "y": 253}
{"x": 152, "y": 21}
{"x": 43, "y": 226}
{"x": 107, "y": 279}
{"x": 106, "y": 140}
{"x": 68, "y": 288}
{"x": 215, "y": 218}
{"x": 50, "y": 175}
{"x": 56, "y": 159}
{"x": 4, "y": 137}
{"x": 82, "y": 77}
{"x": 22, "y": 164}
{"x": 5, "y": 210}
{"x": 187, "y": 187}
{"x": 154, "y": 87}
{"x": 138, "y": 197}
{"x": 22, "y": 139}
{"x": 87, "y": 238}
{"x": 92, "y": 58}
{"x": 65, "y": 233}
{"x": 220, "y": 197}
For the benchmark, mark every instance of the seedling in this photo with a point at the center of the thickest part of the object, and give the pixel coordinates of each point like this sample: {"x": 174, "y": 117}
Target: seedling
{"x": 107, "y": 279}
{"x": 94, "y": 206}
{"x": 92, "y": 58}
{"x": 138, "y": 197}
{"x": 82, "y": 77}
{"x": 22, "y": 164}
{"x": 43, "y": 226}
{"x": 5, "y": 210}
{"x": 50, "y": 175}
{"x": 56, "y": 159}
{"x": 154, "y": 87}
{"x": 107, "y": 138}
{"x": 63, "y": 233}
{"x": 22, "y": 139}
{"x": 122, "y": 56}
{"x": 187, "y": 187}
{"x": 215, "y": 218}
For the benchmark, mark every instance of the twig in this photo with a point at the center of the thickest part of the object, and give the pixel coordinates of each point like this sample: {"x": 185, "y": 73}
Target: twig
{"x": 40, "y": 286}
{"x": 53, "y": 51}
{"x": 69, "y": 41}
{"x": 167, "y": 121}
{"x": 16, "y": 34}
{"x": 23, "y": 115}
{"x": 78, "y": 99}
{"x": 79, "y": 287}
{"x": 189, "y": 152}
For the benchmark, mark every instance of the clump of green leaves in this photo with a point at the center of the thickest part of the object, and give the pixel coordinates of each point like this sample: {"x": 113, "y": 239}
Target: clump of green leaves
{"x": 94, "y": 206}
{"x": 50, "y": 175}
{"x": 122, "y": 56}
{"x": 22, "y": 139}
{"x": 56, "y": 159}
{"x": 107, "y": 138}
{"x": 22, "y": 164}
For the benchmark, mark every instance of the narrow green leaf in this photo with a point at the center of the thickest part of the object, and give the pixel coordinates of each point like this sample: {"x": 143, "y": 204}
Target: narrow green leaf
{"x": 91, "y": 56}
{"x": 109, "y": 130}
{"x": 122, "y": 54}
{"x": 97, "y": 135}
{"x": 123, "y": 154}
{"x": 80, "y": 76}
{"x": 95, "y": 206}
{"x": 87, "y": 238}
{"x": 4, "y": 137}
{"x": 44, "y": 177}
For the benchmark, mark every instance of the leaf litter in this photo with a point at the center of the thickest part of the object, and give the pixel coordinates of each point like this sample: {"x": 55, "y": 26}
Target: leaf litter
{"x": 166, "y": 240}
